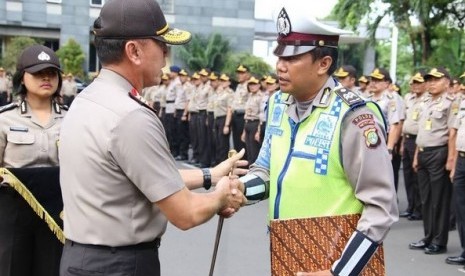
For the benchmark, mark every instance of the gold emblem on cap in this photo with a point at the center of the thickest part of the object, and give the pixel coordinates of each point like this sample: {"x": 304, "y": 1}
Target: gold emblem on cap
{"x": 283, "y": 24}
{"x": 321, "y": 42}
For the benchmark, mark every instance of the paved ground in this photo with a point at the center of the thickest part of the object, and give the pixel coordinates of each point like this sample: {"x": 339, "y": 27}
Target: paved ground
{"x": 244, "y": 247}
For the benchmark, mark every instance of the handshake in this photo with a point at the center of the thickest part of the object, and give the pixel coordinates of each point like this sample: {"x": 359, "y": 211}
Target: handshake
{"x": 229, "y": 189}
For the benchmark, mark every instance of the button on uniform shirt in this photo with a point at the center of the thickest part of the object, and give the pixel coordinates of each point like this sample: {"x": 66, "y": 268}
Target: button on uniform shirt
{"x": 240, "y": 97}
{"x": 434, "y": 124}
{"x": 413, "y": 108}
{"x": 114, "y": 164}
{"x": 24, "y": 142}
{"x": 252, "y": 106}
{"x": 223, "y": 101}
{"x": 459, "y": 124}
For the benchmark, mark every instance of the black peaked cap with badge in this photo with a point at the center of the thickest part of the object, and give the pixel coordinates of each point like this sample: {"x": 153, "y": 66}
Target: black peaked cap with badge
{"x": 437, "y": 72}
{"x": 345, "y": 70}
{"x": 299, "y": 32}
{"x": 36, "y": 58}
{"x": 123, "y": 19}
{"x": 381, "y": 74}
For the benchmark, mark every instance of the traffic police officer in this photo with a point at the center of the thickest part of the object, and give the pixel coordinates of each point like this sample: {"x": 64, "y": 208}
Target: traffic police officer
{"x": 324, "y": 151}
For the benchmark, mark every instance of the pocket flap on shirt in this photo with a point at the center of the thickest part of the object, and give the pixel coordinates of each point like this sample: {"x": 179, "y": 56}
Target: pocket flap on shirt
{"x": 21, "y": 138}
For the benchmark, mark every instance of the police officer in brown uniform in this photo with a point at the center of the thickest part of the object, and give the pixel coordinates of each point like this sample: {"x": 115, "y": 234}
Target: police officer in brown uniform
{"x": 238, "y": 107}
{"x": 389, "y": 104}
{"x": 222, "y": 112}
{"x": 211, "y": 139}
{"x": 363, "y": 83}
{"x": 193, "y": 113}
{"x": 29, "y": 136}
{"x": 458, "y": 175}
{"x": 415, "y": 102}
{"x": 118, "y": 209}
{"x": 252, "y": 119}
{"x": 347, "y": 76}
{"x": 202, "y": 93}
{"x": 182, "y": 124}
{"x": 433, "y": 158}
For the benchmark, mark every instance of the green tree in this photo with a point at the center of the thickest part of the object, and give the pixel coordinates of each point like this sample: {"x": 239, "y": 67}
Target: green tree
{"x": 204, "y": 52}
{"x": 71, "y": 58}
{"x": 418, "y": 18}
{"x": 14, "y": 49}
{"x": 256, "y": 64}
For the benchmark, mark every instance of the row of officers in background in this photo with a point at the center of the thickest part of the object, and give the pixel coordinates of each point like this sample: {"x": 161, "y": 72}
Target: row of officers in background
{"x": 203, "y": 111}
{"x": 426, "y": 132}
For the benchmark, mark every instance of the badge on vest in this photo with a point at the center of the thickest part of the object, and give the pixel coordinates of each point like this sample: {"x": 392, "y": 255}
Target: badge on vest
{"x": 277, "y": 115}
{"x": 323, "y": 132}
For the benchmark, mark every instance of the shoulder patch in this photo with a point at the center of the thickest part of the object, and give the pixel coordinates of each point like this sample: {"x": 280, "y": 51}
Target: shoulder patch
{"x": 8, "y": 107}
{"x": 349, "y": 97}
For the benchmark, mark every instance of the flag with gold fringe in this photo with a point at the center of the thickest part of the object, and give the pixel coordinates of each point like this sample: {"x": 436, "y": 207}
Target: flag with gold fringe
{"x": 40, "y": 187}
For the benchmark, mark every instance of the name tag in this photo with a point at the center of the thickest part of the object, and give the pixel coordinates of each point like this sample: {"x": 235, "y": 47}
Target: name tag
{"x": 19, "y": 128}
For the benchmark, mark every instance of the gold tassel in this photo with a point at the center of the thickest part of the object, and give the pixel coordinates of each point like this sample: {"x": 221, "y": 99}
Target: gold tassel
{"x": 35, "y": 205}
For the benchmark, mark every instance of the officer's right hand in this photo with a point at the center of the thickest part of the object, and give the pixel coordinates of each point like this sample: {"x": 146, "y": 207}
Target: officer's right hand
{"x": 233, "y": 197}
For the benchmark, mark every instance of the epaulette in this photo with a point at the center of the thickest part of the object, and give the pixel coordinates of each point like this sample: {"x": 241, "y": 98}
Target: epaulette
{"x": 58, "y": 107}
{"x": 8, "y": 107}
{"x": 141, "y": 102}
{"x": 349, "y": 97}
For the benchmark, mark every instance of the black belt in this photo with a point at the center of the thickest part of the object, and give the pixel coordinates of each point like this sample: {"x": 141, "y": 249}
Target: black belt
{"x": 431, "y": 148}
{"x": 239, "y": 112}
{"x": 410, "y": 136}
{"x": 169, "y": 101}
{"x": 210, "y": 112}
{"x": 155, "y": 244}
{"x": 462, "y": 153}
{"x": 251, "y": 121}
{"x": 202, "y": 111}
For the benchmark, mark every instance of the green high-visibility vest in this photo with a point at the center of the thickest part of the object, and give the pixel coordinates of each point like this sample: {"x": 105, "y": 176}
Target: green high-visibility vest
{"x": 306, "y": 174}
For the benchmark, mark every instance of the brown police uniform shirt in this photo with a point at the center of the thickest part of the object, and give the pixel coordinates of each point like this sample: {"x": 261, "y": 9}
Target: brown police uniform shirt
{"x": 211, "y": 99}
{"x": 201, "y": 95}
{"x": 114, "y": 164}
{"x": 240, "y": 97}
{"x": 435, "y": 122}
{"x": 413, "y": 108}
{"x": 24, "y": 142}
{"x": 192, "y": 105}
{"x": 252, "y": 106}
{"x": 223, "y": 101}
{"x": 181, "y": 95}
{"x": 368, "y": 169}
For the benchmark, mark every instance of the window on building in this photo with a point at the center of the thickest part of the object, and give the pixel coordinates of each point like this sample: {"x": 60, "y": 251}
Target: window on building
{"x": 96, "y": 3}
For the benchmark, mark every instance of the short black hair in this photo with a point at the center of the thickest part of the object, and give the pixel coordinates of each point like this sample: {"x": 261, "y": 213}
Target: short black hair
{"x": 109, "y": 51}
{"x": 320, "y": 52}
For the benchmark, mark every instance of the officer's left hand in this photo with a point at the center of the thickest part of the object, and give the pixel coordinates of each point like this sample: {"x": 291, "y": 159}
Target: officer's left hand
{"x": 224, "y": 168}
{"x": 318, "y": 273}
